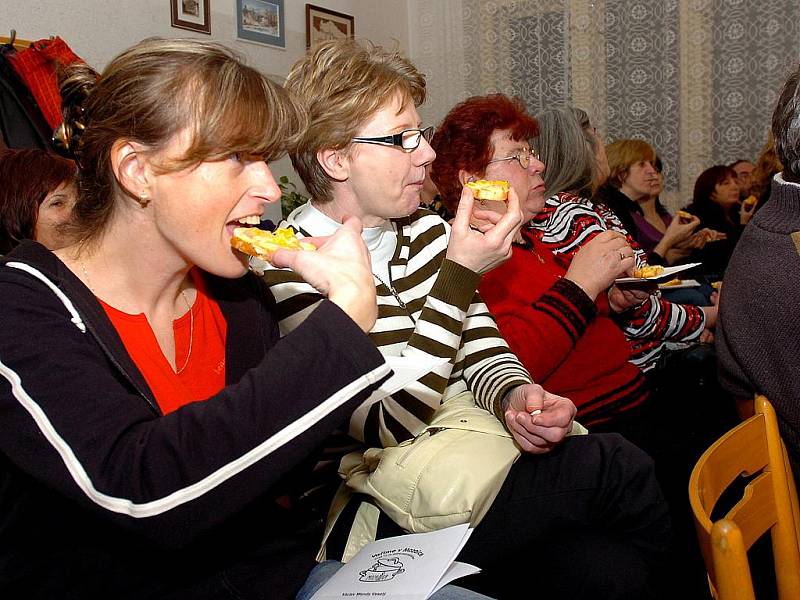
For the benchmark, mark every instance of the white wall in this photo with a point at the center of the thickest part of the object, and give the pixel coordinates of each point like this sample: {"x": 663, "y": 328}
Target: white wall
{"x": 97, "y": 30}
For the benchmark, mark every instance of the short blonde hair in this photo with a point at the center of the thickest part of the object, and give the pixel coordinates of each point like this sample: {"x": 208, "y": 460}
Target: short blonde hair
{"x": 622, "y": 154}
{"x": 343, "y": 83}
{"x": 155, "y": 90}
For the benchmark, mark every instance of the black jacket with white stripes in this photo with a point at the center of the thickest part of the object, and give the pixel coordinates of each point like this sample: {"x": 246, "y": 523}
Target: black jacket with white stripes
{"x": 101, "y": 495}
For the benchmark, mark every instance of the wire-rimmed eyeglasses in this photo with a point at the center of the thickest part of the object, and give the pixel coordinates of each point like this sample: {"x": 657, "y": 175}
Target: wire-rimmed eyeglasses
{"x": 408, "y": 139}
{"x": 523, "y": 157}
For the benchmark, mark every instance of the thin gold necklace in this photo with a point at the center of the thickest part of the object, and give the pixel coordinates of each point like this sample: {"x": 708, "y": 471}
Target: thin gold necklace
{"x": 188, "y": 306}
{"x": 191, "y": 333}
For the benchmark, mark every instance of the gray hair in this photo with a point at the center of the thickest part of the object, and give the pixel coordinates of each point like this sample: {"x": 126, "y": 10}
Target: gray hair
{"x": 586, "y": 125}
{"x": 566, "y": 151}
{"x": 786, "y": 127}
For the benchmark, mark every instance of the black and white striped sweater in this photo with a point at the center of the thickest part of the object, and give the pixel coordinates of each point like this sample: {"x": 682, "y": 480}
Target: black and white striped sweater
{"x": 429, "y": 307}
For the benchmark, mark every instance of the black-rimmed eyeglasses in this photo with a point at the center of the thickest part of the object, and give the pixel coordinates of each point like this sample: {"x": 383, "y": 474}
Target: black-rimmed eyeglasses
{"x": 408, "y": 139}
{"x": 523, "y": 158}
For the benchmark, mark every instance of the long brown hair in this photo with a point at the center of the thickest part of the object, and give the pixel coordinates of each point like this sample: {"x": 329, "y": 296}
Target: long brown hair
{"x": 707, "y": 181}
{"x": 153, "y": 91}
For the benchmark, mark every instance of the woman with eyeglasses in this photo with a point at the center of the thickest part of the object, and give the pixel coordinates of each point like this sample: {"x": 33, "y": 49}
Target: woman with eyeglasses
{"x": 365, "y": 153}
{"x": 554, "y": 313}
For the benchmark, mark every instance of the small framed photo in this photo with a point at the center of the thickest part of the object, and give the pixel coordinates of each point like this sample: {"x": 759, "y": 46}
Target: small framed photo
{"x": 261, "y": 21}
{"x": 323, "y": 24}
{"x": 194, "y": 15}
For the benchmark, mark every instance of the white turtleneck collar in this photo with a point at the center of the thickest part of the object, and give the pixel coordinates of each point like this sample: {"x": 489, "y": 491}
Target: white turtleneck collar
{"x": 381, "y": 241}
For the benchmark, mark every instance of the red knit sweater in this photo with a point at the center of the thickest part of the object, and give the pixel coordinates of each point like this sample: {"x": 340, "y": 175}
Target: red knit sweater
{"x": 568, "y": 343}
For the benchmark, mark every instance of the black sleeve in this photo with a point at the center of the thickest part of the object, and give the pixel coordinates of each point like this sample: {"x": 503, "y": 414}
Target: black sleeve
{"x": 74, "y": 423}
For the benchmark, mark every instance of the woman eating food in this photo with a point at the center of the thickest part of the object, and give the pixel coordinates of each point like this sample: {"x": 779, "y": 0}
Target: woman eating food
{"x": 716, "y": 203}
{"x": 365, "y": 153}
{"x": 554, "y": 314}
{"x": 569, "y": 219}
{"x": 154, "y": 426}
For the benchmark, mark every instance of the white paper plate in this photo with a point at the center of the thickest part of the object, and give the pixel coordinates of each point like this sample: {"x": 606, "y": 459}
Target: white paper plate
{"x": 666, "y": 275}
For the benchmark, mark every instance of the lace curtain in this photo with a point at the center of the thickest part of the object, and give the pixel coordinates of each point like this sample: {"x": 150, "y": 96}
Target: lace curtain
{"x": 698, "y": 79}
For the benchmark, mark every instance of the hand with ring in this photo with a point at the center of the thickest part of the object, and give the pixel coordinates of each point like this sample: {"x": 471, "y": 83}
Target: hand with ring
{"x": 600, "y": 261}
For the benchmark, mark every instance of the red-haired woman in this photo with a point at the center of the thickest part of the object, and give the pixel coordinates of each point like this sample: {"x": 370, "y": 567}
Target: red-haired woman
{"x": 554, "y": 309}
{"x": 716, "y": 202}
{"x": 37, "y": 193}
{"x": 554, "y": 313}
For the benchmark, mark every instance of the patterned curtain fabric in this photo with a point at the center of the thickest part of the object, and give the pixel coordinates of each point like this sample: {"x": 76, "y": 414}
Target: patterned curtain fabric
{"x": 698, "y": 79}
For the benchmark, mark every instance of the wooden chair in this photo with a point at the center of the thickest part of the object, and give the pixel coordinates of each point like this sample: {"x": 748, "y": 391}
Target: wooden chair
{"x": 768, "y": 504}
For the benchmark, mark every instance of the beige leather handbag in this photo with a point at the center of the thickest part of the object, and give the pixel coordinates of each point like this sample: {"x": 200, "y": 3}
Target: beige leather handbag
{"x": 447, "y": 475}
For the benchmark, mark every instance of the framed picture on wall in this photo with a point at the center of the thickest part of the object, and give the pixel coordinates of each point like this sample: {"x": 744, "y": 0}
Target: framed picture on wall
{"x": 194, "y": 15}
{"x": 323, "y": 24}
{"x": 261, "y": 21}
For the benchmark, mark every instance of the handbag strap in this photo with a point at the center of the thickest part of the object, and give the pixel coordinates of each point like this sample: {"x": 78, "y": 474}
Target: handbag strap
{"x": 363, "y": 530}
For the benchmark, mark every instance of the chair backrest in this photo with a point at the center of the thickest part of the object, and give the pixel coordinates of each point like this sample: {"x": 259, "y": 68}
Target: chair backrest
{"x": 768, "y": 504}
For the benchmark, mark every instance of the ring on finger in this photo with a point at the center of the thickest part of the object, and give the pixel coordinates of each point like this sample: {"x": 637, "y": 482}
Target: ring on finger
{"x": 621, "y": 256}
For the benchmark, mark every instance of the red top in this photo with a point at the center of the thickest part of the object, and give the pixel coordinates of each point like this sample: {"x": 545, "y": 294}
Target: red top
{"x": 204, "y": 374}
{"x": 569, "y": 344}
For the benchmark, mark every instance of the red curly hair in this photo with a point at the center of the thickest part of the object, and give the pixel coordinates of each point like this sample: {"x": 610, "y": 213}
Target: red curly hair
{"x": 462, "y": 139}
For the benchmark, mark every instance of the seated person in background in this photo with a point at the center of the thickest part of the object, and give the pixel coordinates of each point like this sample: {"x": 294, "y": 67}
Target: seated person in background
{"x": 37, "y": 193}
{"x": 767, "y": 164}
{"x": 153, "y": 423}
{"x": 631, "y": 192}
{"x": 744, "y": 176}
{"x": 569, "y": 219}
{"x": 656, "y": 225}
{"x": 655, "y": 236}
{"x": 364, "y": 154}
{"x": 716, "y": 203}
{"x": 759, "y": 329}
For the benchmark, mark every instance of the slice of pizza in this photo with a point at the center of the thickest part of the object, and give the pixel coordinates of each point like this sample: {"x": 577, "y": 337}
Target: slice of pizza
{"x": 485, "y": 189}
{"x": 263, "y": 244}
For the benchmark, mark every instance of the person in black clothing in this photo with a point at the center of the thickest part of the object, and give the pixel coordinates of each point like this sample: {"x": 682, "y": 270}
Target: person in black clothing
{"x": 153, "y": 422}
{"x": 631, "y": 192}
{"x": 716, "y": 202}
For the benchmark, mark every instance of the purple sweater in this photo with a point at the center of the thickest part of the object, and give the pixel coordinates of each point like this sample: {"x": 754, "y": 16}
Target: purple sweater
{"x": 647, "y": 235}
